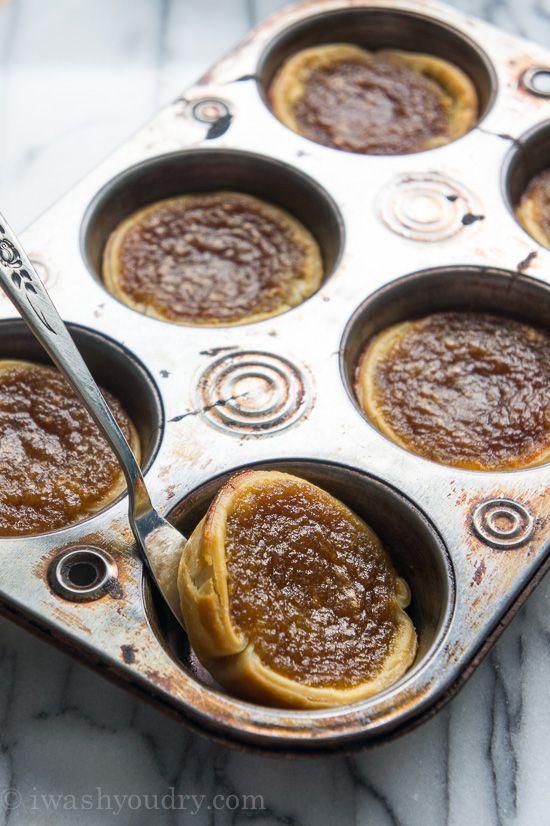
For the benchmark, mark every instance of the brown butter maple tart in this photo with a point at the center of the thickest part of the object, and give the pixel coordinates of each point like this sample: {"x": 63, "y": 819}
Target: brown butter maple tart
{"x": 216, "y": 258}
{"x": 55, "y": 466}
{"x": 384, "y": 102}
{"x": 461, "y": 388}
{"x": 290, "y": 599}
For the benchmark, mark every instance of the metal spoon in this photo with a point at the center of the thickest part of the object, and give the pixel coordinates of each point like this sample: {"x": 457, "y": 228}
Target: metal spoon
{"x": 160, "y": 543}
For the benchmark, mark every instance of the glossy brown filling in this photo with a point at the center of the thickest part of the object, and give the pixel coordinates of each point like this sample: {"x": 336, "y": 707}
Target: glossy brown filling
{"x": 55, "y": 467}
{"x": 212, "y": 260}
{"x": 538, "y": 192}
{"x": 311, "y": 587}
{"x": 469, "y": 389}
{"x": 378, "y": 105}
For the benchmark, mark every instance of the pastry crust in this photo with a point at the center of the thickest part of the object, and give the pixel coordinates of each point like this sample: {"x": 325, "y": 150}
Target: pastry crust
{"x": 533, "y": 212}
{"x": 227, "y": 653}
{"x": 527, "y": 216}
{"x": 458, "y": 94}
{"x": 377, "y": 351}
{"x": 296, "y": 287}
{"x": 119, "y": 484}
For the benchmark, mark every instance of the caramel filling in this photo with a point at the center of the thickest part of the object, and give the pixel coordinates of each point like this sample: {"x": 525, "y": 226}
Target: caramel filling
{"x": 377, "y": 105}
{"x": 309, "y": 585}
{"x": 215, "y": 258}
{"x": 55, "y": 467}
{"x": 462, "y": 388}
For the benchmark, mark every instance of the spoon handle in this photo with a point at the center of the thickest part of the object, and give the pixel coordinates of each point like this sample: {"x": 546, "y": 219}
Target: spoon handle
{"x": 22, "y": 284}
{"x": 159, "y": 542}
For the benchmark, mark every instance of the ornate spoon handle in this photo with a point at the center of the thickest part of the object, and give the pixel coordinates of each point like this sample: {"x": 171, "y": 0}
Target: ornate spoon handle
{"x": 21, "y": 282}
{"x": 160, "y": 542}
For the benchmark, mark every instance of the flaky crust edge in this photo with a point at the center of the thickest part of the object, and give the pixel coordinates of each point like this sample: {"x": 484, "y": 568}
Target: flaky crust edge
{"x": 227, "y": 654}
{"x": 526, "y": 213}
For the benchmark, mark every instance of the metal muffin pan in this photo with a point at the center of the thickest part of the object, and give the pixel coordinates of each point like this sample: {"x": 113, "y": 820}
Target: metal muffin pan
{"x": 400, "y": 235}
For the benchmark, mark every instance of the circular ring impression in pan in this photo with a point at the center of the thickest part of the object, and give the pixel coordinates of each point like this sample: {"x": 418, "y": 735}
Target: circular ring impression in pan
{"x": 503, "y": 523}
{"x": 426, "y": 206}
{"x": 254, "y": 393}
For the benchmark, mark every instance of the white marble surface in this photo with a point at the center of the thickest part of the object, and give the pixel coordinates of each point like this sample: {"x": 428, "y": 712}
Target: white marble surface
{"x": 77, "y": 77}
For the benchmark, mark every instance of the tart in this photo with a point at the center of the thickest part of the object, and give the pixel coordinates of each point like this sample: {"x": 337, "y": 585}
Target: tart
{"x": 212, "y": 258}
{"x": 387, "y": 102}
{"x": 55, "y": 466}
{"x": 289, "y": 598}
{"x": 465, "y": 389}
{"x": 533, "y": 211}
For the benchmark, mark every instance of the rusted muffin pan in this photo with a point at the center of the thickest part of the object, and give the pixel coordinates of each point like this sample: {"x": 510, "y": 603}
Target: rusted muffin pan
{"x": 400, "y": 236}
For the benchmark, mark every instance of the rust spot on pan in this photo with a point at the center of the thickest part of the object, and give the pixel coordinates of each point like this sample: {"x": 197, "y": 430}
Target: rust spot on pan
{"x": 479, "y": 573}
{"x": 128, "y": 653}
{"x": 527, "y": 261}
{"x": 164, "y": 682}
{"x": 70, "y": 620}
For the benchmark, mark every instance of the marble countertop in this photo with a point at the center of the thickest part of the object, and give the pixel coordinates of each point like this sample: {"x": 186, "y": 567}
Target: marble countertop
{"x": 76, "y": 78}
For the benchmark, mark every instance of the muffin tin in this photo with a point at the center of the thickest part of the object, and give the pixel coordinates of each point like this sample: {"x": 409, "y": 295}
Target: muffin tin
{"x": 400, "y": 236}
